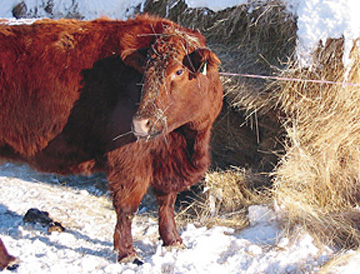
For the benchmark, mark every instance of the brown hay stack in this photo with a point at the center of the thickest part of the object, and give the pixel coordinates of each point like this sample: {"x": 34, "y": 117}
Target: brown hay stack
{"x": 317, "y": 181}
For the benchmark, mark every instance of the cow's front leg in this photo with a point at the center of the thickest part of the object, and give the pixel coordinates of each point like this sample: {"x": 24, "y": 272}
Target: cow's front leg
{"x": 167, "y": 226}
{"x": 6, "y": 260}
{"x": 126, "y": 199}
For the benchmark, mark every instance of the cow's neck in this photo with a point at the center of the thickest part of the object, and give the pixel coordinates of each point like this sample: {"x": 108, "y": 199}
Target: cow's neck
{"x": 197, "y": 143}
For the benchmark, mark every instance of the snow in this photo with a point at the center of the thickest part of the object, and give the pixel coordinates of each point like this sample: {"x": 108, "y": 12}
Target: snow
{"x": 214, "y": 5}
{"x": 86, "y": 244}
{"x": 113, "y": 9}
{"x": 13, "y": 21}
{"x": 322, "y": 19}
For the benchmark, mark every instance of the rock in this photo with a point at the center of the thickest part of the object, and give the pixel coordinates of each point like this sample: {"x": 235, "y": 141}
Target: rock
{"x": 36, "y": 216}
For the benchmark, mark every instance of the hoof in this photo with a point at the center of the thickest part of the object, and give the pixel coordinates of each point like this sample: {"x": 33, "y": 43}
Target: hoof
{"x": 177, "y": 246}
{"x": 138, "y": 262}
{"x": 134, "y": 259}
{"x": 12, "y": 265}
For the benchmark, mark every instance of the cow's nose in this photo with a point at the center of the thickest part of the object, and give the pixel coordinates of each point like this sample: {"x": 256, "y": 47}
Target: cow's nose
{"x": 141, "y": 127}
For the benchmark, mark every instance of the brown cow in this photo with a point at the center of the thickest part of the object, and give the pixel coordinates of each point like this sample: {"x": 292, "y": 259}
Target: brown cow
{"x": 70, "y": 93}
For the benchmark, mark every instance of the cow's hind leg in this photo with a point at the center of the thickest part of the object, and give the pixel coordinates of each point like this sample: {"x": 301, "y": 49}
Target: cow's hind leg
{"x": 167, "y": 226}
{"x": 126, "y": 199}
{"x": 6, "y": 260}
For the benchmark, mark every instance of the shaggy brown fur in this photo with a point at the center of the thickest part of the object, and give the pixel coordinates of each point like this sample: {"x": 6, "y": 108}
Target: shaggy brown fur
{"x": 68, "y": 88}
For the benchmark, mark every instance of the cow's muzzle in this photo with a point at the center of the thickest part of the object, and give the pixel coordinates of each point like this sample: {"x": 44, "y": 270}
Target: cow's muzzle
{"x": 143, "y": 128}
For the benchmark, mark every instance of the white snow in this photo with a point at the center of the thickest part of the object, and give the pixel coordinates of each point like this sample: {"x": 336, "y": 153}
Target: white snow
{"x": 113, "y": 9}
{"x": 322, "y": 19}
{"x": 13, "y": 21}
{"x": 86, "y": 245}
{"x": 215, "y": 5}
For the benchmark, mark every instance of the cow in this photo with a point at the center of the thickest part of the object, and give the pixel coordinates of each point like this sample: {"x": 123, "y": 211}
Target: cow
{"x": 134, "y": 99}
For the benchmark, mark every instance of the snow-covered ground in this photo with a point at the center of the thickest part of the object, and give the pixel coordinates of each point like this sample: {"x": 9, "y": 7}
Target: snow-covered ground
{"x": 86, "y": 244}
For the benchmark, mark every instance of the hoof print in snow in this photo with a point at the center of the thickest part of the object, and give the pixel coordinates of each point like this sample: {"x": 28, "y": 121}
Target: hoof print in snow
{"x": 36, "y": 216}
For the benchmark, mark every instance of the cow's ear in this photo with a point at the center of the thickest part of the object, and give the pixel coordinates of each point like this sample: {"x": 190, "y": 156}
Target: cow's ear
{"x": 201, "y": 61}
{"x": 135, "y": 58}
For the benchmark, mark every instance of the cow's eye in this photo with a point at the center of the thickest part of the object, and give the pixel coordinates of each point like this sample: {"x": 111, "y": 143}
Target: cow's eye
{"x": 179, "y": 72}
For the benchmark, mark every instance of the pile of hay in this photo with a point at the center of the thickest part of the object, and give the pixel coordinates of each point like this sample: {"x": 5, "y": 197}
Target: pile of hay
{"x": 225, "y": 197}
{"x": 317, "y": 182}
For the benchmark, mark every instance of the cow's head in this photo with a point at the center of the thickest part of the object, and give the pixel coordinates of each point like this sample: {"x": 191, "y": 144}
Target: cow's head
{"x": 181, "y": 85}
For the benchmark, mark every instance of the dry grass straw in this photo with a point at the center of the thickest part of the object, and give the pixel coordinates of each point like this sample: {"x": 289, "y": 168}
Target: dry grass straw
{"x": 333, "y": 265}
{"x": 226, "y": 197}
{"x": 255, "y": 38}
{"x": 235, "y": 142}
{"x": 317, "y": 182}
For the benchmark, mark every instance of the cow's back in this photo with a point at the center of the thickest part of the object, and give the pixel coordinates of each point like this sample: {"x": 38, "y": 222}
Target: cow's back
{"x": 40, "y": 80}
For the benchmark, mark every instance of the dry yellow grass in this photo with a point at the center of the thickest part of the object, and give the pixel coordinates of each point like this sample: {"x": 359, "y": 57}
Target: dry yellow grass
{"x": 226, "y": 197}
{"x": 317, "y": 181}
{"x": 333, "y": 265}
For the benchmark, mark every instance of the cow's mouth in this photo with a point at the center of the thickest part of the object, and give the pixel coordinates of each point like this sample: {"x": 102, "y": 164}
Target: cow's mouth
{"x": 146, "y": 137}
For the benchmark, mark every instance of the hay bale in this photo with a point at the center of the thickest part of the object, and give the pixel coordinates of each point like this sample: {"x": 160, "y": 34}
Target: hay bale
{"x": 317, "y": 182}
{"x": 243, "y": 142}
